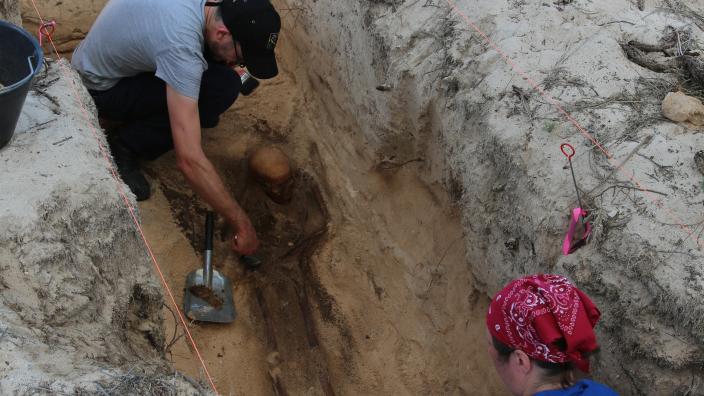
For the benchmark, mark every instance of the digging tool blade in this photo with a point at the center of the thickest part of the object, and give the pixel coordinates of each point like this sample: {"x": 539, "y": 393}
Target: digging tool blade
{"x": 208, "y": 294}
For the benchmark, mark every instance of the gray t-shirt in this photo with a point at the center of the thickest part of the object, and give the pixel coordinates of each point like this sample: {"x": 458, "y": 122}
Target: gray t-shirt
{"x": 135, "y": 36}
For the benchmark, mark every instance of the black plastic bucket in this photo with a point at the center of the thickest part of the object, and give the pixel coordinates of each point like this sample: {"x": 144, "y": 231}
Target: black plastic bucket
{"x": 20, "y": 59}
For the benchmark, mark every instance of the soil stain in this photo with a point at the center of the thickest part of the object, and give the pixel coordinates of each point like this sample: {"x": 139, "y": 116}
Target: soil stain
{"x": 284, "y": 296}
{"x": 207, "y": 294}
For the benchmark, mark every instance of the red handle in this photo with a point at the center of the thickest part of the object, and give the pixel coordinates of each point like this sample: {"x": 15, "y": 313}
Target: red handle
{"x": 562, "y": 148}
{"x": 46, "y": 29}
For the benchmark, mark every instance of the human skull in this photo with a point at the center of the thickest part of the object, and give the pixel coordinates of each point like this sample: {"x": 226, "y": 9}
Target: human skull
{"x": 271, "y": 167}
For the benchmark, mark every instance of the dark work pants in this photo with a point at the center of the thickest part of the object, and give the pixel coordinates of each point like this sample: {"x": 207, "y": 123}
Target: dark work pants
{"x": 139, "y": 104}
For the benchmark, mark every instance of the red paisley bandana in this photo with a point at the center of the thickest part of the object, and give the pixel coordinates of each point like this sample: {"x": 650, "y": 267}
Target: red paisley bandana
{"x": 533, "y": 312}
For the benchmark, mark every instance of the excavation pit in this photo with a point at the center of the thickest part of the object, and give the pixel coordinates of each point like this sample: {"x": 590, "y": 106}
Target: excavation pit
{"x": 429, "y": 176}
{"x": 325, "y": 325}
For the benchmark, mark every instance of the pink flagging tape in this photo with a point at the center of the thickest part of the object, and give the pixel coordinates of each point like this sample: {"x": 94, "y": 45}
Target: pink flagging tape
{"x": 569, "y": 245}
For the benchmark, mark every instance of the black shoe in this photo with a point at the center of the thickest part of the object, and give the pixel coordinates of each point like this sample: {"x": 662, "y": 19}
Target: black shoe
{"x": 128, "y": 167}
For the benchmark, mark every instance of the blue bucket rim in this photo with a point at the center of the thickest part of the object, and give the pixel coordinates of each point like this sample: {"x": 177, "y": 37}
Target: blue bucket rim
{"x": 38, "y": 53}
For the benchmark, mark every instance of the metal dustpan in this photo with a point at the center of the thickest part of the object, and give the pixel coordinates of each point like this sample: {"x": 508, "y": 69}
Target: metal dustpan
{"x": 208, "y": 295}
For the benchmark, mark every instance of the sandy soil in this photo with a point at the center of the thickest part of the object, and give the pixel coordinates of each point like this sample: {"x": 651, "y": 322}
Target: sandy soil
{"x": 80, "y": 308}
{"x": 297, "y": 331}
{"x": 416, "y": 72}
{"x": 395, "y": 102}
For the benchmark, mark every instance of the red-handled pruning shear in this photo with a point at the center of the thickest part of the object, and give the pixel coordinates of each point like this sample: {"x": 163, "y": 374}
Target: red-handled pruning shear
{"x": 578, "y": 214}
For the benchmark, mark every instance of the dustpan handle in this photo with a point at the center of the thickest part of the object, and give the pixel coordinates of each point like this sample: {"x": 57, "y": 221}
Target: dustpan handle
{"x": 208, "y": 264}
{"x": 209, "y": 221}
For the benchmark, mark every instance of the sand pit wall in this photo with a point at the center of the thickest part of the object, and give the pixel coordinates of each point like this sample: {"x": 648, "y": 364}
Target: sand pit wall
{"x": 80, "y": 310}
{"x": 10, "y": 11}
{"x": 421, "y": 84}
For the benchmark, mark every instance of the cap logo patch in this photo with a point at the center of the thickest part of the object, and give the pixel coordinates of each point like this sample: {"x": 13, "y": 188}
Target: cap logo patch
{"x": 273, "y": 38}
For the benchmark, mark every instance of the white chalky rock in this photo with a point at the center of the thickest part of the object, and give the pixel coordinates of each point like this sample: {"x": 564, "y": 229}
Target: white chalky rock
{"x": 680, "y": 108}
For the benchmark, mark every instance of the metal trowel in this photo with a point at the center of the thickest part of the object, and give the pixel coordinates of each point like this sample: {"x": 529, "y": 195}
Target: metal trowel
{"x": 208, "y": 296}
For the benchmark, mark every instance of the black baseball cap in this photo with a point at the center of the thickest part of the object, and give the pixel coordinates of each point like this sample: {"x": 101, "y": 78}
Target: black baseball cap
{"x": 255, "y": 24}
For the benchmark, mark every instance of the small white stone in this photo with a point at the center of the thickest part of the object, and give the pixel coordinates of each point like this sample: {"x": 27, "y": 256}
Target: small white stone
{"x": 680, "y": 107}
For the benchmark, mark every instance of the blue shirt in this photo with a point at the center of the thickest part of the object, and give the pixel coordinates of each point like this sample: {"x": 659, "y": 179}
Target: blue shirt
{"x": 581, "y": 388}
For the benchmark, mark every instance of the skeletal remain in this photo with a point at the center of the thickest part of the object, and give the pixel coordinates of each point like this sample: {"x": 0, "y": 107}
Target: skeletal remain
{"x": 271, "y": 168}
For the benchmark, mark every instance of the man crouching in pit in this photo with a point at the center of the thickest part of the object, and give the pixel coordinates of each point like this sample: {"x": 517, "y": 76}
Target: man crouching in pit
{"x": 164, "y": 69}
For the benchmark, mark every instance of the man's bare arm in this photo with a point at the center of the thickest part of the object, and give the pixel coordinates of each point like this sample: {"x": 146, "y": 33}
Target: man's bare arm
{"x": 199, "y": 171}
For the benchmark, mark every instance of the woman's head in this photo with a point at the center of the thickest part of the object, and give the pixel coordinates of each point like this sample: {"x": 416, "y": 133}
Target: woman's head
{"x": 539, "y": 328}
{"x": 522, "y": 373}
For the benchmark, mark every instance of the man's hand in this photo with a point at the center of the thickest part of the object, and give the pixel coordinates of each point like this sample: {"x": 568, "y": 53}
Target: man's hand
{"x": 200, "y": 173}
{"x": 245, "y": 240}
